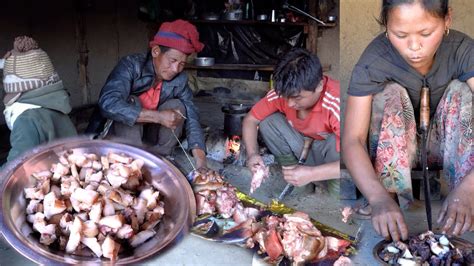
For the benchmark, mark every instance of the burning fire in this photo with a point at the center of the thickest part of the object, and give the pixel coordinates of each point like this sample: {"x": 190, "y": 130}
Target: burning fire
{"x": 232, "y": 147}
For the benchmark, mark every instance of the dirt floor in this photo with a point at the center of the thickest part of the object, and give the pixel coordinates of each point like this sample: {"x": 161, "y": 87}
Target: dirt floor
{"x": 318, "y": 204}
{"x": 192, "y": 250}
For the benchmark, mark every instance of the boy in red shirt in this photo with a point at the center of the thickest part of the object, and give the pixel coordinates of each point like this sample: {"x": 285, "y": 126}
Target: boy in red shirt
{"x": 303, "y": 103}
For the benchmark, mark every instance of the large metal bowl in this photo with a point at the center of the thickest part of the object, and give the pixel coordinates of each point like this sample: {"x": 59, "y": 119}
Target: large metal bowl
{"x": 180, "y": 206}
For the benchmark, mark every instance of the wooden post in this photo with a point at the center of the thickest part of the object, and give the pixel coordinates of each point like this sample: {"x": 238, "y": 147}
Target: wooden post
{"x": 116, "y": 26}
{"x": 81, "y": 44}
{"x": 312, "y": 40}
{"x": 30, "y": 23}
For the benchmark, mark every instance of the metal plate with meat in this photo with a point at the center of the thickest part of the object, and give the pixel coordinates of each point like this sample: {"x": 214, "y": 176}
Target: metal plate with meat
{"x": 92, "y": 209}
{"x": 276, "y": 232}
{"x": 93, "y": 202}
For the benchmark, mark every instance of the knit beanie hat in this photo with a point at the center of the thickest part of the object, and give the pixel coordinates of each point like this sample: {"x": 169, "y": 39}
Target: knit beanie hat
{"x": 26, "y": 68}
{"x": 180, "y": 35}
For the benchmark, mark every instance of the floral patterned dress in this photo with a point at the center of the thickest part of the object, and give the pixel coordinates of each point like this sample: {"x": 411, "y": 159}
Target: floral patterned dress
{"x": 394, "y": 144}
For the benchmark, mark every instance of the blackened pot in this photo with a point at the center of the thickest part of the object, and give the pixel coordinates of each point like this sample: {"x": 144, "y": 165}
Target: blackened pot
{"x": 233, "y": 116}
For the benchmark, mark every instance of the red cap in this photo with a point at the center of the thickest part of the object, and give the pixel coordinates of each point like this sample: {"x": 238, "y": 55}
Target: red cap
{"x": 180, "y": 35}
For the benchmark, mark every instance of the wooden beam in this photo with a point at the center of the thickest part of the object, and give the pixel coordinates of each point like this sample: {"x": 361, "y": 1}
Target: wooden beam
{"x": 249, "y": 67}
{"x": 312, "y": 39}
{"x": 81, "y": 43}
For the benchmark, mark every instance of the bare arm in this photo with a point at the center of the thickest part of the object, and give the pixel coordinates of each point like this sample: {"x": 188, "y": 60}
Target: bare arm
{"x": 249, "y": 137}
{"x": 149, "y": 116}
{"x": 300, "y": 175}
{"x": 160, "y": 117}
{"x": 250, "y": 133}
{"x": 327, "y": 171}
{"x": 470, "y": 83}
{"x": 168, "y": 118}
{"x": 200, "y": 157}
{"x": 387, "y": 218}
{"x": 354, "y": 151}
{"x": 457, "y": 213}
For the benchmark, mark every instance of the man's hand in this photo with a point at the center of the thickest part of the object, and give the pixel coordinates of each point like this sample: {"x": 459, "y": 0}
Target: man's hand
{"x": 200, "y": 157}
{"x": 254, "y": 162}
{"x": 297, "y": 175}
{"x": 457, "y": 212}
{"x": 387, "y": 219}
{"x": 170, "y": 118}
{"x": 201, "y": 164}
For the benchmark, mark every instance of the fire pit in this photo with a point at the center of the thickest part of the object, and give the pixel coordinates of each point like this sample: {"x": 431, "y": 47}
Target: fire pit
{"x": 226, "y": 146}
{"x": 227, "y": 150}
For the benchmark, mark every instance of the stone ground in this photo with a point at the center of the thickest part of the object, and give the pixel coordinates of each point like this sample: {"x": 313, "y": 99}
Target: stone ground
{"x": 192, "y": 250}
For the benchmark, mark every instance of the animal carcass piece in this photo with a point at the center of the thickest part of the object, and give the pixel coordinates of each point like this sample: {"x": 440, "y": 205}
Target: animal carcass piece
{"x": 292, "y": 236}
{"x": 216, "y": 197}
{"x": 295, "y": 237}
{"x": 258, "y": 177}
{"x": 100, "y": 203}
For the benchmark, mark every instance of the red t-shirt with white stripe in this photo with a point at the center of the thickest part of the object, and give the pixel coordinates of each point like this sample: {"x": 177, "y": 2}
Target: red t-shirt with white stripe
{"x": 324, "y": 119}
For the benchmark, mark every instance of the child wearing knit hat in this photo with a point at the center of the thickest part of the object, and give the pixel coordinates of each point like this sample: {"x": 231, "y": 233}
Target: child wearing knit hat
{"x": 36, "y": 103}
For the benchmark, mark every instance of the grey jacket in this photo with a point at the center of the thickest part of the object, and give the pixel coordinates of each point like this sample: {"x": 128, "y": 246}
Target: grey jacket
{"x": 41, "y": 125}
{"x": 135, "y": 74}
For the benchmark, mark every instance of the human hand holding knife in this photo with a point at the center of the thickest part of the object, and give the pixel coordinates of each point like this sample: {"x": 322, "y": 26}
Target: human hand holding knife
{"x": 304, "y": 155}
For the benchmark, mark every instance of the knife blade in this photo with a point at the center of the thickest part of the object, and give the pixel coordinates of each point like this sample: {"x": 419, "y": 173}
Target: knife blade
{"x": 424, "y": 127}
{"x": 184, "y": 150}
{"x": 303, "y": 156}
{"x": 286, "y": 191}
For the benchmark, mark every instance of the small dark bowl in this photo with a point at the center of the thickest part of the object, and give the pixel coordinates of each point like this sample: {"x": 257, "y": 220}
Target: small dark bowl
{"x": 456, "y": 241}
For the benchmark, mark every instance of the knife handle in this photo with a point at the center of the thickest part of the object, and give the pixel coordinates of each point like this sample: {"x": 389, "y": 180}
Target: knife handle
{"x": 424, "y": 108}
{"x": 306, "y": 147}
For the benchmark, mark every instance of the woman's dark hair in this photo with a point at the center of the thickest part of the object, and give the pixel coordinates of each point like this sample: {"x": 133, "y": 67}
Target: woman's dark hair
{"x": 438, "y": 8}
{"x": 297, "y": 70}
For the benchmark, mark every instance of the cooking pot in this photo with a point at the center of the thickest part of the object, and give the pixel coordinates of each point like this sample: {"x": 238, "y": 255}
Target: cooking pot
{"x": 204, "y": 61}
{"x": 233, "y": 116}
{"x": 180, "y": 206}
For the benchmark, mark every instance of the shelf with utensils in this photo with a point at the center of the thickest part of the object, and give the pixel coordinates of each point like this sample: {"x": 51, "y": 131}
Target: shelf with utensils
{"x": 258, "y": 22}
{"x": 249, "y": 67}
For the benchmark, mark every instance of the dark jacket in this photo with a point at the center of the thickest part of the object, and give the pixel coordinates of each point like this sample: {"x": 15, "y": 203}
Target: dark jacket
{"x": 134, "y": 75}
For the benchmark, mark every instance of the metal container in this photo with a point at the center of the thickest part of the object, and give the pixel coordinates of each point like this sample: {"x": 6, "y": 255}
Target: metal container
{"x": 456, "y": 241}
{"x": 273, "y": 19}
{"x": 204, "y": 61}
{"x": 210, "y": 16}
{"x": 262, "y": 17}
{"x": 233, "y": 15}
{"x": 180, "y": 206}
{"x": 233, "y": 116}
